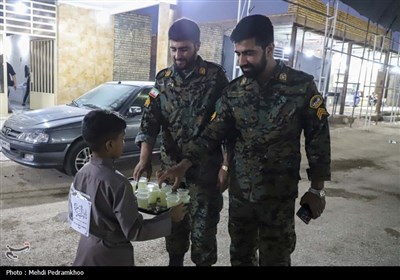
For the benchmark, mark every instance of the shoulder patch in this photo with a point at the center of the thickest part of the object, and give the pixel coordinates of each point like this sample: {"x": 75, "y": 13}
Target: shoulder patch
{"x": 168, "y": 73}
{"x": 202, "y": 71}
{"x": 162, "y": 73}
{"x": 154, "y": 93}
{"x": 147, "y": 102}
{"x": 243, "y": 81}
{"x": 283, "y": 77}
{"x": 316, "y": 101}
{"x": 213, "y": 116}
{"x": 320, "y": 112}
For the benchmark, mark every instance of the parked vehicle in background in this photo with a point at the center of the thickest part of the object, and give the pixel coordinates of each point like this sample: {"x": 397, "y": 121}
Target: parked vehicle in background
{"x": 51, "y": 137}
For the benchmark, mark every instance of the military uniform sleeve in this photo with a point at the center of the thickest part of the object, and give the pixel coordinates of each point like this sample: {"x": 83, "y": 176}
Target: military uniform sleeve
{"x": 216, "y": 131}
{"x": 151, "y": 120}
{"x": 317, "y": 138}
{"x": 230, "y": 138}
{"x": 222, "y": 81}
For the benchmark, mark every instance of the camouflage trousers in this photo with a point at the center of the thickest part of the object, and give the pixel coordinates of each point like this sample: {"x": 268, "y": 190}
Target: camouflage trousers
{"x": 199, "y": 226}
{"x": 266, "y": 226}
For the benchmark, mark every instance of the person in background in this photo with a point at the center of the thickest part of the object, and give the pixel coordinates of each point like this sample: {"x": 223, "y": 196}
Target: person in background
{"x": 114, "y": 218}
{"x": 181, "y": 105}
{"x": 11, "y": 78}
{"x": 11, "y": 82}
{"x": 28, "y": 84}
{"x": 270, "y": 106}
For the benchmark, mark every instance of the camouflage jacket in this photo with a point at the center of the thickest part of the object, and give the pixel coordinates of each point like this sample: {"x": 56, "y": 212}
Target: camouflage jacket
{"x": 181, "y": 107}
{"x": 269, "y": 121}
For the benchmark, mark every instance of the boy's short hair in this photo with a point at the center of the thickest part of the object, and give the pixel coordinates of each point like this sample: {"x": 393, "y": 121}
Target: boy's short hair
{"x": 184, "y": 29}
{"x": 254, "y": 26}
{"x": 99, "y": 126}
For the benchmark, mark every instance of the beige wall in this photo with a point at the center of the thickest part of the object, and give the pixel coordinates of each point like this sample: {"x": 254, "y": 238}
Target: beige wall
{"x": 212, "y": 42}
{"x": 132, "y": 47}
{"x": 85, "y": 52}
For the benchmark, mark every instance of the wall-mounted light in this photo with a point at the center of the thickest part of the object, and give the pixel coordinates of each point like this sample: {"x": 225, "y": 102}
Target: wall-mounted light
{"x": 20, "y": 8}
{"x": 287, "y": 50}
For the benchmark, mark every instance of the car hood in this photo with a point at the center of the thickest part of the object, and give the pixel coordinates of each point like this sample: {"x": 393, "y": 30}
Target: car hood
{"x": 46, "y": 118}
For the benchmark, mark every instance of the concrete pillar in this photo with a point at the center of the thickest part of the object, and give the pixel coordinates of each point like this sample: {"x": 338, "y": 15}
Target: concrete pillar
{"x": 166, "y": 16}
{"x": 3, "y": 81}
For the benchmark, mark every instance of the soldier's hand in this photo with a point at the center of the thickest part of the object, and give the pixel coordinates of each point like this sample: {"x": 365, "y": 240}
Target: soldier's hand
{"x": 175, "y": 173}
{"x": 178, "y": 212}
{"x": 142, "y": 167}
{"x": 223, "y": 180}
{"x": 316, "y": 203}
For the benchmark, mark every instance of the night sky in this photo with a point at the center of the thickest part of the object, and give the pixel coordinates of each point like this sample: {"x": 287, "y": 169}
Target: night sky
{"x": 218, "y": 10}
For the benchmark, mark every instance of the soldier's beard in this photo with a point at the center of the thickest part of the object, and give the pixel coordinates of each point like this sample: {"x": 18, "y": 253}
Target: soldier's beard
{"x": 185, "y": 63}
{"x": 254, "y": 70}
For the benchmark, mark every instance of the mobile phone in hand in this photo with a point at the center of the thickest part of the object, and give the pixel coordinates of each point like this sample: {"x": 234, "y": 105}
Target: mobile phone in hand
{"x": 304, "y": 213}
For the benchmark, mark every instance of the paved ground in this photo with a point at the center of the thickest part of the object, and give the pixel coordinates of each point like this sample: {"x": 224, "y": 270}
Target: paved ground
{"x": 360, "y": 226}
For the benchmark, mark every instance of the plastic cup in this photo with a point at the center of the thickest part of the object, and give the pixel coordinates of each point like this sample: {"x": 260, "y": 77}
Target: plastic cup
{"x": 163, "y": 195}
{"x": 142, "y": 191}
{"x": 183, "y": 195}
{"x": 181, "y": 191}
{"x": 143, "y": 200}
{"x": 184, "y": 198}
{"x": 172, "y": 199}
{"x": 142, "y": 183}
{"x": 154, "y": 192}
{"x": 134, "y": 185}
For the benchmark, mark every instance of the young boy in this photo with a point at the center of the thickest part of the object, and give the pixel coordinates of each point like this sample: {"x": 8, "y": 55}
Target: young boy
{"x": 104, "y": 203}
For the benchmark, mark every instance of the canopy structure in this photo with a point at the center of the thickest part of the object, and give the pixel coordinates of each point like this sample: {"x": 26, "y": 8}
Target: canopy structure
{"x": 383, "y": 12}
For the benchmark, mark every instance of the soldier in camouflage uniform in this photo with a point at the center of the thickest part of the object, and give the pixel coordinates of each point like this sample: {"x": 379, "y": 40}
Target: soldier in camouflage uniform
{"x": 268, "y": 107}
{"x": 181, "y": 104}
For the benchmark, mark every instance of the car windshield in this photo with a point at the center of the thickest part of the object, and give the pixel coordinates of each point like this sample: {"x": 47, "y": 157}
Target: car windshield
{"x": 106, "y": 96}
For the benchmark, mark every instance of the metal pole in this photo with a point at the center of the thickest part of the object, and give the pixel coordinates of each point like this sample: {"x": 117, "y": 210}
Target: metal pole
{"x": 239, "y": 16}
{"x": 234, "y": 54}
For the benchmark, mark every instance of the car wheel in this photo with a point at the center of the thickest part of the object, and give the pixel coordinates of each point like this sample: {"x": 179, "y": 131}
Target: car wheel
{"x": 78, "y": 155}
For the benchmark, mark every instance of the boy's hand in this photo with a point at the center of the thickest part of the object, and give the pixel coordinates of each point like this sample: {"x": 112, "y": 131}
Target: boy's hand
{"x": 178, "y": 212}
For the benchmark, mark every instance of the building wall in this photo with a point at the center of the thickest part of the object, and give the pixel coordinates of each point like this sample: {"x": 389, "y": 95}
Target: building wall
{"x": 212, "y": 40}
{"x": 132, "y": 47}
{"x": 85, "y": 52}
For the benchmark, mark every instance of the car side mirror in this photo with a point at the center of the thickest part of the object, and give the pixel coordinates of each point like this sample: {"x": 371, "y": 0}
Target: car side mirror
{"x": 135, "y": 110}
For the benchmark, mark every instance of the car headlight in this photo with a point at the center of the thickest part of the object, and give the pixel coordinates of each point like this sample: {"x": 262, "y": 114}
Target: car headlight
{"x": 34, "y": 137}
